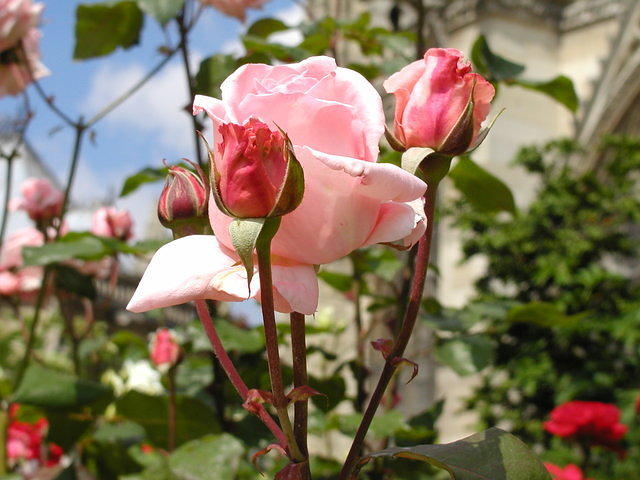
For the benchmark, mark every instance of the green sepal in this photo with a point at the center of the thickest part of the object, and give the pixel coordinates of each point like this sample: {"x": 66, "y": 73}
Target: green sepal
{"x": 393, "y": 140}
{"x": 413, "y": 158}
{"x": 292, "y": 190}
{"x": 461, "y": 135}
{"x": 247, "y": 234}
{"x": 482, "y": 134}
{"x": 214, "y": 179}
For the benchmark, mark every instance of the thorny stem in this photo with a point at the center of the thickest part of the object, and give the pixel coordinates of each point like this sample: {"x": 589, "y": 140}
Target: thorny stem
{"x": 171, "y": 409}
{"x": 184, "y": 49}
{"x": 67, "y": 315}
{"x": 409, "y": 320}
{"x": 273, "y": 355}
{"x": 230, "y": 369}
{"x": 4, "y": 425}
{"x": 300, "y": 378}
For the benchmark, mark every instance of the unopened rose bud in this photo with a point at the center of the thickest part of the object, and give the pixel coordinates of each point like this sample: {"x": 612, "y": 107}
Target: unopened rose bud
{"x": 440, "y": 103}
{"x": 164, "y": 349}
{"x": 254, "y": 171}
{"x": 40, "y": 200}
{"x": 183, "y": 203}
{"x": 110, "y": 222}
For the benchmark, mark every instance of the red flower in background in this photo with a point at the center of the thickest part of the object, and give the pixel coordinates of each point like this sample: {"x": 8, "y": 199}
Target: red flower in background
{"x": 570, "y": 472}
{"x": 595, "y": 423}
{"x": 25, "y": 440}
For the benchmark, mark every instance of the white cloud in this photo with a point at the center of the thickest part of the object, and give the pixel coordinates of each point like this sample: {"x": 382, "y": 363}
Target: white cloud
{"x": 156, "y": 108}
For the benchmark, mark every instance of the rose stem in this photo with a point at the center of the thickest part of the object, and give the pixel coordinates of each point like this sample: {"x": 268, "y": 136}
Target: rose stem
{"x": 300, "y": 378}
{"x": 230, "y": 369}
{"x": 410, "y": 316}
{"x": 273, "y": 356}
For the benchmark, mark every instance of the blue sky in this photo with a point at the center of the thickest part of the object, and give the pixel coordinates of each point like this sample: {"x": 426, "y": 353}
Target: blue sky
{"x": 149, "y": 127}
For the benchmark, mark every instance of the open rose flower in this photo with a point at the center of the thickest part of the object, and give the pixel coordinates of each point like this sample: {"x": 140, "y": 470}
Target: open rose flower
{"x": 111, "y": 222}
{"x": 234, "y": 8}
{"x": 334, "y": 119}
{"x": 40, "y": 199}
{"x": 19, "y": 66}
{"x": 595, "y": 423}
{"x": 570, "y": 472}
{"x": 432, "y": 100}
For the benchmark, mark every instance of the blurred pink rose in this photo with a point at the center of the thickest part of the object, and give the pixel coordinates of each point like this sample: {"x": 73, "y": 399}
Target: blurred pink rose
{"x": 19, "y": 66}
{"x": 41, "y": 200}
{"x": 17, "y": 17}
{"x": 111, "y": 222}
{"x": 11, "y": 254}
{"x": 431, "y": 96}
{"x": 164, "y": 349}
{"x": 234, "y": 8}
{"x": 335, "y": 120}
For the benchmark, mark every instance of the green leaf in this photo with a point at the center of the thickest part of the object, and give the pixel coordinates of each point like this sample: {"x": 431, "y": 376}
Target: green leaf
{"x": 238, "y": 339}
{"x": 542, "y": 314}
{"x": 466, "y": 354}
{"x": 490, "y": 455}
{"x": 83, "y": 247}
{"x": 332, "y": 389}
{"x": 44, "y": 387}
{"x": 493, "y": 66}
{"x": 266, "y": 26}
{"x": 103, "y": 27}
{"x": 194, "y": 418}
{"x": 146, "y": 175}
{"x": 560, "y": 89}
{"x": 212, "y": 72}
{"x": 483, "y": 190}
{"x": 212, "y": 456}
{"x": 161, "y": 10}
{"x": 339, "y": 281}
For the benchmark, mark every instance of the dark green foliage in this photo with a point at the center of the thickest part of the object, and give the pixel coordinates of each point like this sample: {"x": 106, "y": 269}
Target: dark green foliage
{"x": 564, "y": 269}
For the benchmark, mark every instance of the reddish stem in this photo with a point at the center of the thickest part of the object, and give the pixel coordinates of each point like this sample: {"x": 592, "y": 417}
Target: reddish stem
{"x": 230, "y": 369}
{"x": 408, "y": 322}
{"x": 300, "y": 378}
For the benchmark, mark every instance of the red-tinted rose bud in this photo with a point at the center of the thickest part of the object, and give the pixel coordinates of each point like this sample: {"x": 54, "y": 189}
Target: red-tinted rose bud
{"x": 183, "y": 203}
{"x": 164, "y": 349}
{"x": 255, "y": 172}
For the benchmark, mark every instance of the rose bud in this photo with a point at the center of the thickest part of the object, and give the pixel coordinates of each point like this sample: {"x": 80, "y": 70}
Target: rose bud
{"x": 21, "y": 64}
{"x": 110, "y": 222}
{"x": 234, "y": 8}
{"x": 164, "y": 349}
{"x": 183, "y": 203}
{"x": 255, "y": 173}
{"x": 41, "y": 200}
{"x": 440, "y": 103}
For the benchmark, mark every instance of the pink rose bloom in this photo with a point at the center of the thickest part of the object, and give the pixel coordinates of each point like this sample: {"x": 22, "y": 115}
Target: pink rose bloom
{"x": 11, "y": 254}
{"x": 334, "y": 119}
{"x": 19, "y": 67}
{"x": 570, "y": 472}
{"x": 234, "y": 8}
{"x": 110, "y": 222}
{"x": 17, "y": 17}
{"x": 41, "y": 200}
{"x": 164, "y": 349}
{"x": 431, "y": 97}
